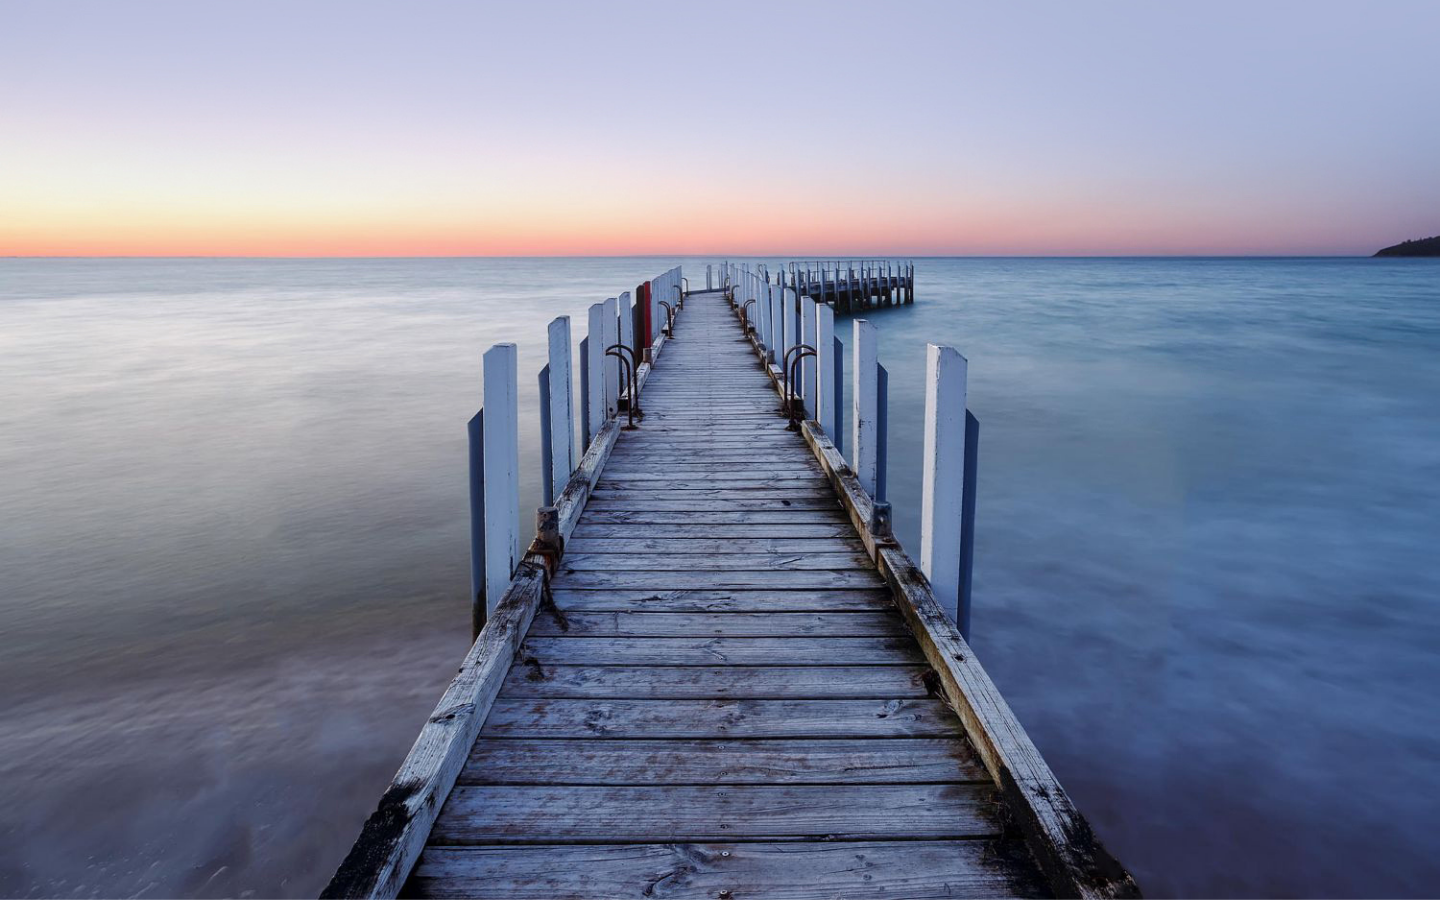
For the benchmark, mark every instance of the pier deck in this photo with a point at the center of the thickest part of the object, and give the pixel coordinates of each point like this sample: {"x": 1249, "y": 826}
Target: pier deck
{"x": 727, "y": 691}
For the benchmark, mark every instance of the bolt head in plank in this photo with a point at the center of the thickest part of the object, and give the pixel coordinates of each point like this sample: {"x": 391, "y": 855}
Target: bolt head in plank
{"x": 943, "y": 474}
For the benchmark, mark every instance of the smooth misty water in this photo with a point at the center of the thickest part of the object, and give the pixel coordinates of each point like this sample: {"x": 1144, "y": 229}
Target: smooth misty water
{"x": 233, "y": 568}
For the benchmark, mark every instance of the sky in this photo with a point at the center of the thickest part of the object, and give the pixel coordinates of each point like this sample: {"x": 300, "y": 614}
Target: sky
{"x": 528, "y": 128}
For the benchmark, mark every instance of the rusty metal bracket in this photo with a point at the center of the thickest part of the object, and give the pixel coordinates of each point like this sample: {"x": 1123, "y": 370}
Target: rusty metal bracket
{"x": 626, "y": 364}
{"x": 791, "y": 381}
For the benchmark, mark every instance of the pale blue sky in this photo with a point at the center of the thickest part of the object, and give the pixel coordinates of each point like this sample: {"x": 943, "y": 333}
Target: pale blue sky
{"x": 923, "y": 127}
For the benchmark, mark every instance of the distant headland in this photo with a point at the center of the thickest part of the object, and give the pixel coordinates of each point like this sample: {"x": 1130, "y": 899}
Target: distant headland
{"x": 1423, "y": 247}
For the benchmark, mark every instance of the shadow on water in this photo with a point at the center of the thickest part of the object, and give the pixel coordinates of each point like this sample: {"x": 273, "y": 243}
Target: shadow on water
{"x": 234, "y": 552}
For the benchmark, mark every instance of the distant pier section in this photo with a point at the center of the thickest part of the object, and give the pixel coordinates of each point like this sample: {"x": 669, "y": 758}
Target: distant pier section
{"x": 845, "y": 285}
{"x": 849, "y": 285}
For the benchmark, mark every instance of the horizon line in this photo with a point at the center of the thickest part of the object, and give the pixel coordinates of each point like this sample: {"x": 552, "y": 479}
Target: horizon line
{"x": 792, "y": 256}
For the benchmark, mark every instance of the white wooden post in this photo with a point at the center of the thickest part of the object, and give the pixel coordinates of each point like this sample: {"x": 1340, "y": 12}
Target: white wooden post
{"x": 709, "y": 277}
{"x": 608, "y": 327}
{"x": 864, "y": 443}
{"x": 562, "y": 407}
{"x": 808, "y": 331}
{"x": 792, "y": 322}
{"x": 760, "y": 312}
{"x": 657, "y": 287}
{"x": 776, "y": 314}
{"x": 825, "y": 368}
{"x": 942, "y": 478}
{"x": 595, "y": 372}
{"x": 627, "y": 311}
{"x": 501, "y": 471}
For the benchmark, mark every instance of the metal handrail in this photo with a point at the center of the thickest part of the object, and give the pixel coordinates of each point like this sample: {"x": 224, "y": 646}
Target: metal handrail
{"x": 629, "y": 382}
{"x": 787, "y": 369}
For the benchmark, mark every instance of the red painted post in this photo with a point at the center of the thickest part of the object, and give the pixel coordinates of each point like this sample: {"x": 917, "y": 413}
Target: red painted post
{"x": 649, "y": 313}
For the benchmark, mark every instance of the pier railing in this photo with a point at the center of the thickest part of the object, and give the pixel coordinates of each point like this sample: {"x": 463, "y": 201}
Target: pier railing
{"x": 794, "y": 335}
{"x": 624, "y": 333}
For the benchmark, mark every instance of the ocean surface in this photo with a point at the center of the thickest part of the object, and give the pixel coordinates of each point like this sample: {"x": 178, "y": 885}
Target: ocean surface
{"x": 234, "y": 574}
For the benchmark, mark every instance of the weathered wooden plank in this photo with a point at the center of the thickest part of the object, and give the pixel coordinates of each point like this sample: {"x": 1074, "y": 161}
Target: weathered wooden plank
{"x": 882, "y": 870}
{"x": 731, "y": 600}
{"x": 734, "y": 388}
{"x": 778, "y": 516}
{"x": 712, "y": 402}
{"x": 779, "y": 449}
{"x": 721, "y": 651}
{"x": 570, "y": 505}
{"x": 534, "y": 815}
{"x": 713, "y": 458}
{"x": 745, "y": 486}
{"x": 660, "y": 423}
{"x": 666, "y": 468}
{"x": 771, "y": 534}
{"x": 781, "y": 761}
{"x": 745, "y": 545}
{"x": 708, "y": 580}
{"x": 699, "y": 442}
{"x": 716, "y": 401}
{"x": 709, "y": 502}
{"x": 716, "y": 682}
{"x": 555, "y": 622}
{"x": 653, "y": 434}
{"x": 392, "y": 838}
{"x": 724, "y": 718}
{"x": 715, "y": 562}
{"x": 734, "y": 421}
{"x": 767, "y": 431}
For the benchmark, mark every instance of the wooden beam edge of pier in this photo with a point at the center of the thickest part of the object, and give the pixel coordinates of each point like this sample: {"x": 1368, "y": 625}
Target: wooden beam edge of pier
{"x": 393, "y": 837}
{"x": 1065, "y": 847}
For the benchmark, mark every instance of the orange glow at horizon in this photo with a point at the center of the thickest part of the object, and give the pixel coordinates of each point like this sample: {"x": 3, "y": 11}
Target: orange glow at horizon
{"x": 653, "y": 230}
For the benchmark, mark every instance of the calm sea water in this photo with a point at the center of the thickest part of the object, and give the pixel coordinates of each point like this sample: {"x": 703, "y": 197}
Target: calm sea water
{"x": 233, "y": 555}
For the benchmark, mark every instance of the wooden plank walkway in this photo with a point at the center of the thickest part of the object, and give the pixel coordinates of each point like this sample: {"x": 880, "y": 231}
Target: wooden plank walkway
{"x": 721, "y": 700}
{"x": 726, "y": 687}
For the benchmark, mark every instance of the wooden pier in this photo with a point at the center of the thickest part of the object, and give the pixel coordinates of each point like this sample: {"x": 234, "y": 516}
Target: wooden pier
{"x": 852, "y": 285}
{"x": 714, "y": 674}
